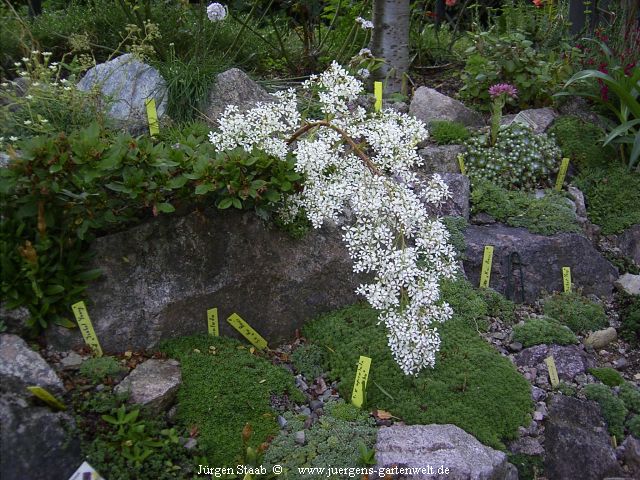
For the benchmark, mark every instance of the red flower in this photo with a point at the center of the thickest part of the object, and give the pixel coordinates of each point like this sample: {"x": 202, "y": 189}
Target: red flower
{"x": 450, "y": 3}
{"x": 538, "y": 3}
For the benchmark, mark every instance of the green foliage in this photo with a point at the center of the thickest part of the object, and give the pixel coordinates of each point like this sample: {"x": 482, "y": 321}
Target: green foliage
{"x": 530, "y": 467}
{"x": 630, "y": 318}
{"x": 498, "y": 305}
{"x": 336, "y": 440}
{"x": 537, "y": 331}
{"x": 444, "y": 132}
{"x": 566, "y": 389}
{"x": 625, "y": 86}
{"x": 456, "y": 227}
{"x": 512, "y": 58}
{"x": 612, "y": 198}
{"x": 310, "y": 360}
{"x": 62, "y": 190}
{"x": 608, "y": 376}
{"x": 519, "y": 158}
{"x": 548, "y": 215}
{"x": 97, "y": 368}
{"x": 633, "y": 424}
{"x": 630, "y": 395}
{"x": 575, "y": 311}
{"x": 225, "y": 387}
{"x": 580, "y": 141}
{"x": 471, "y": 386}
{"x": 613, "y": 409}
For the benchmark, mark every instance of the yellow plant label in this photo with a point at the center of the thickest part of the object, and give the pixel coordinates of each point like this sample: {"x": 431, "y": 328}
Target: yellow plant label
{"x": 212, "y": 322}
{"x": 46, "y": 397}
{"x": 246, "y": 331}
{"x": 152, "y": 116}
{"x": 562, "y": 173}
{"x": 485, "y": 275}
{"x": 566, "y": 278}
{"x": 86, "y": 328}
{"x": 377, "y": 91}
{"x": 463, "y": 169}
{"x": 360, "y": 384}
{"x": 553, "y": 371}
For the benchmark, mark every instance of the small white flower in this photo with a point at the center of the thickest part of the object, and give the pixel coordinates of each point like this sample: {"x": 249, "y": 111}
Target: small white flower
{"x": 364, "y": 24}
{"x": 54, "y": 64}
{"x": 44, "y": 120}
{"x": 364, "y": 73}
{"x": 29, "y": 97}
{"x": 35, "y": 84}
{"x": 25, "y": 60}
{"x": 46, "y": 54}
{"x": 27, "y": 122}
{"x": 216, "y": 12}
{"x": 35, "y": 52}
{"x": 5, "y": 84}
{"x": 17, "y": 64}
{"x": 67, "y": 88}
{"x": 64, "y": 80}
{"x": 13, "y": 139}
{"x": 52, "y": 67}
{"x": 365, "y": 52}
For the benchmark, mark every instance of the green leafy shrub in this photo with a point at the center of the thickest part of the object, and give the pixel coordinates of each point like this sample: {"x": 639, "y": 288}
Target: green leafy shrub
{"x": 537, "y": 331}
{"x": 498, "y": 305}
{"x": 462, "y": 388}
{"x": 225, "y": 387}
{"x": 575, "y": 311}
{"x": 548, "y": 215}
{"x": 519, "y": 158}
{"x": 608, "y": 376}
{"x": 612, "y": 197}
{"x": 633, "y": 424}
{"x": 530, "y": 467}
{"x": 630, "y": 318}
{"x": 97, "y": 368}
{"x": 613, "y": 409}
{"x": 444, "y": 132}
{"x": 512, "y": 58}
{"x": 580, "y": 142}
{"x": 310, "y": 360}
{"x": 630, "y": 395}
{"x": 456, "y": 227}
{"x": 566, "y": 389}
{"x": 336, "y": 440}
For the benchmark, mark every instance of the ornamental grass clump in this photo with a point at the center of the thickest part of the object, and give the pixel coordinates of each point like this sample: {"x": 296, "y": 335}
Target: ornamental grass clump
{"x": 362, "y": 162}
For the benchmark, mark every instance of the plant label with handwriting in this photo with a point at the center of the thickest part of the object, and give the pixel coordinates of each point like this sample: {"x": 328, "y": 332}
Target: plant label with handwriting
{"x": 212, "y": 322}
{"x": 487, "y": 258}
{"x": 152, "y": 116}
{"x": 360, "y": 383}
{"x": 86, "y": 327}
{"x": 566, "y": 279}
{"x": 562, "y": 173}
{"x": 247, "y": 332}
{"x": 46, "y": 397}
{"x": 553, "y": 371}
{"x": 377, "y": 91}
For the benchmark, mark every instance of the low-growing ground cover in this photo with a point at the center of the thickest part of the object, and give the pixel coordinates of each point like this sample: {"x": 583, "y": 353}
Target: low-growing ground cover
{"x": 472, "y": 386}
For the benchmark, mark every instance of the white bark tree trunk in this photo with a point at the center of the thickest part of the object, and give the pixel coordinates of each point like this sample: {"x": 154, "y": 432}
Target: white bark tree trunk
{"x": 390, "y": 40}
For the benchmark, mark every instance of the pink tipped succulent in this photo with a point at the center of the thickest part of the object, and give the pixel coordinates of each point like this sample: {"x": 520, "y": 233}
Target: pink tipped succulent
{"x": 503, "y": 88}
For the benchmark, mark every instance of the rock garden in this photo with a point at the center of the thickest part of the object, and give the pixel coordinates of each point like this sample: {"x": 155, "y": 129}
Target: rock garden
{"x": 325, "y": 239}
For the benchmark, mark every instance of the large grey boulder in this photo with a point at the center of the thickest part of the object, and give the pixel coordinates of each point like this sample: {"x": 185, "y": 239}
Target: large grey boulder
{"x": 36, "y": 443}
{"x": 234, "y": 87}
{"x": 457, "y": 205}
{"x": 629, "y": 243}
{"x": 22, "y": 367}
{"x": 629, "y": 284}
{"x": 160, "y": 278}
{"x": 153, "y": 384}
{"x": 435, "y": 446}
{"x": 570, "y": 360}
{"x": 428, "y": 105}
{"x": 542, "y": 260}
{"x": 440, "y": 158}
{"x": 577, "y": 442}
{"x": 127, "y": 83}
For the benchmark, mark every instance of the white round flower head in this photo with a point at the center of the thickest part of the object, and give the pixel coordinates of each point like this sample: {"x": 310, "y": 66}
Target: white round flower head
{"x": 364, "y": 73}
{"x": 216, "y": 12}
{"x": 363, "y": 163}
{"x": 364, "y": 24}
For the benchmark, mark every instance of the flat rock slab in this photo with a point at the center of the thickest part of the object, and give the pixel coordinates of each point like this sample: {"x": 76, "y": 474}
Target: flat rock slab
{"x": 21, "y": 367}
{"x": 629, "y": 284}
{"x": 539, "y": 119}
{"x": 428, "y": 105}
{"x": 440, "y": 447}
{"x": 160, "y": 278}
{"x": 577, "y": 442}
{"x": 570, "y": 360}
{"x": 542, "y": 260}
{"x": 154, "y": 384}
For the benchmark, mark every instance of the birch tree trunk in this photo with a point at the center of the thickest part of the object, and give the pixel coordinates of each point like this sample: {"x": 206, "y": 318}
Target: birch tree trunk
{"x": 390, "y": 40}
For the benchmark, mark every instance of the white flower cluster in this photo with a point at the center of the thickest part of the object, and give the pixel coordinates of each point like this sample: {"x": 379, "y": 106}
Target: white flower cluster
{"x": 391, "y": 236}
{"x": 216, "y": 12}
{"x": 364, "y": 24}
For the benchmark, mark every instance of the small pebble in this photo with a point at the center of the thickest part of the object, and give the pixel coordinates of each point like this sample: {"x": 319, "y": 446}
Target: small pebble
{"x": 515, "y": 346}
{"x": 621, "y": 363}
{"x": 300, "y": 437}
{"x": 191, "y": 444}
{"x": 315, "y": 404}
{"x": 306, "y": 411}
{"x": 282, "y": 422}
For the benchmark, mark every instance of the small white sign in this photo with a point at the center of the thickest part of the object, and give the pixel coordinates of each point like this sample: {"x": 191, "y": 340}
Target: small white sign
{"x": 85, "y": 472}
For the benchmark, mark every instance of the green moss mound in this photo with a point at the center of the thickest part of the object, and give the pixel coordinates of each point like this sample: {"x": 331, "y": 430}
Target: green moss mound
{"x": 341, "y": 438}
{"x": 575, "y": 311}
{"x": 613, "y": 409}
{"x": 630, "y": 317}
{"x": 472, "y": 386}
{"x": 97, "y": 368}
{"x": 608, "y": 376}
{"x": 548, "y": 215}
{"x": 612, "y": 197}
{"x": 444, "y": 132}
{"x": 224, "y": 387}
{"x": 538, "y": 331}
{"x": 581, "y": 142}
{"x": 630, "y": 395}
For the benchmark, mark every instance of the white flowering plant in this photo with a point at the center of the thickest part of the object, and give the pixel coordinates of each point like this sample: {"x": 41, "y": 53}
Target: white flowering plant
{"x": 362, "y": 162}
